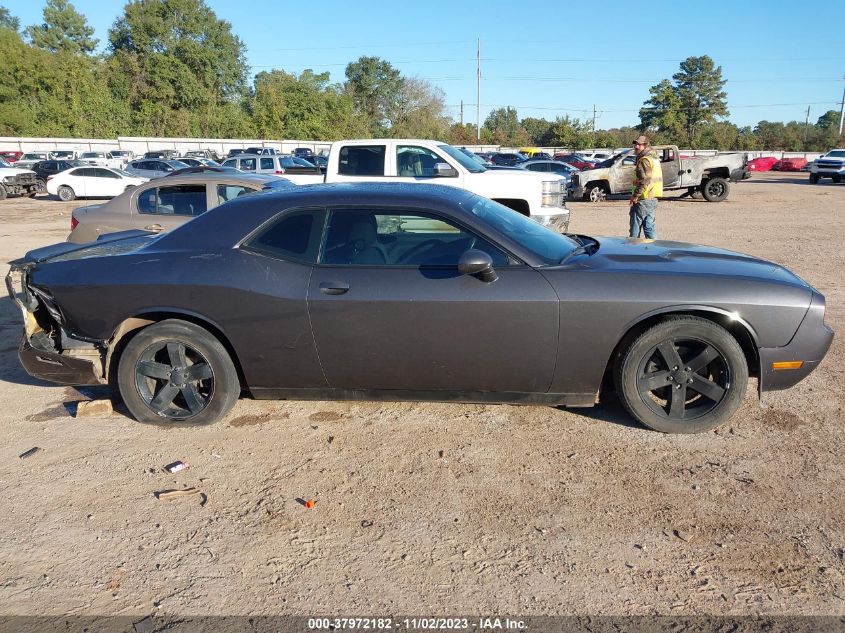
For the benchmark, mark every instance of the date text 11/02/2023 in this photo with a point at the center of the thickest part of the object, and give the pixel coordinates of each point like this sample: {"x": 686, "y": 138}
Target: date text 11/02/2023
{"x": 415, "y": 623}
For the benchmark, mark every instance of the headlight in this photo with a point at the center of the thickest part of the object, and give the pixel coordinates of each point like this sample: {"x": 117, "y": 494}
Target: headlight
{"x": 9, "y": 180}
{"x": 552, "y": 195}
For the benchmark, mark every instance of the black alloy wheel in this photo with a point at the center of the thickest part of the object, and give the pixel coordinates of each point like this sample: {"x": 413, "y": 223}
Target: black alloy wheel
{"x": 174, "y": 379}
{"x": 177, "y": 372}
{"x": 715, "y": 189}
{"x": 683, "y": 375}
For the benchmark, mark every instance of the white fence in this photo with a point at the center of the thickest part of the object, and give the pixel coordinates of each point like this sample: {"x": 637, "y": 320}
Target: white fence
{"x": 141, "y": 144}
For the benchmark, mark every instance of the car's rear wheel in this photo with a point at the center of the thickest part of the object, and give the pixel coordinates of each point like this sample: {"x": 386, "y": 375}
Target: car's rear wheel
{"x": 177, "y": 372}
{"x": 66, "y": 194}
{"x": 682, "y": 375}
{"x": 715, "y": 189}
{"x": 814, "y": 178}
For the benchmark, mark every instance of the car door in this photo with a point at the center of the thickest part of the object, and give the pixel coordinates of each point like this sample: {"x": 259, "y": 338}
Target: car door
{"x": 389, "y": 309}
{"x": 78, "y": 180}
{"x": 106, "y": 183}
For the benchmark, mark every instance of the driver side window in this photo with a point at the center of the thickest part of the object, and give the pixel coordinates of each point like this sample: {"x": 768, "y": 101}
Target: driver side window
{"x": 416, "y": 162}
{"x": 395, "y": 238}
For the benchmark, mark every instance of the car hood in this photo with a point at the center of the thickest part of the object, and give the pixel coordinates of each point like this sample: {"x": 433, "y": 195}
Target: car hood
{"x": 14, "y": 171}
{"x": 662, "y": 256}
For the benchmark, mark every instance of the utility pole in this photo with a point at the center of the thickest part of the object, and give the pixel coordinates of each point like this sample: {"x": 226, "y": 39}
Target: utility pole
{"x": 478, "y": 94}
{"x": 462, "y": 112}
{"x": 806, "y": 126}
{"x": 842, "y": 112}
{"x": 594, "y": 118}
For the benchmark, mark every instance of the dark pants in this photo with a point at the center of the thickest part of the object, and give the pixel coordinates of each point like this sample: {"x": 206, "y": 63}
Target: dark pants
{"x": 642, "y": 217}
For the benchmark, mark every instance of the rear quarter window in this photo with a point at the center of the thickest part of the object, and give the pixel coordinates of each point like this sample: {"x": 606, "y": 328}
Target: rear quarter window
{"x": 292, "y": 236}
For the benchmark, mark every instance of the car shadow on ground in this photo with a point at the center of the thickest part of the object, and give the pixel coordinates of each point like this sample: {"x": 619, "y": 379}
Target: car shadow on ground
{"x": 609, "y": 409}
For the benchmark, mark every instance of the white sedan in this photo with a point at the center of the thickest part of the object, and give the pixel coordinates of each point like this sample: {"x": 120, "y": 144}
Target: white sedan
{"x": 91, "y": 182}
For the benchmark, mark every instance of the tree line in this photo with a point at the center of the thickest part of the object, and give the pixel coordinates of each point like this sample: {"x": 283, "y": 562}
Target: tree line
{"x": 172, "y": 68}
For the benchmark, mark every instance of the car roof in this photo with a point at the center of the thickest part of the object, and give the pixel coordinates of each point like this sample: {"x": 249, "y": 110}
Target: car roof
{"x": 223, "y": 226}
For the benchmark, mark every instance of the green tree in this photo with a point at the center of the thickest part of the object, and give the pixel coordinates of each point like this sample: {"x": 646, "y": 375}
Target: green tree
{"x": 679, "y": 112}
{"x": 420, "y": 111}
{"x": 182, "y": 68}
{"x": 375, "y": 87}
{"x": 700, "y": 88}
{"x": 302, "y": 107}
{"x": 539, "y": 131}
{"x": 64, "y": 30}
{"x": 8, "y": 21}
{"x": 662, "y": 115}
{"x": 572, "y": 133}
{"x": 465, "y": 134}
{"x": 504, "y": 128}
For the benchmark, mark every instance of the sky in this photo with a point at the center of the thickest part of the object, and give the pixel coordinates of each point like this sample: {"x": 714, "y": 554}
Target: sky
{"x": 545, "y": 58}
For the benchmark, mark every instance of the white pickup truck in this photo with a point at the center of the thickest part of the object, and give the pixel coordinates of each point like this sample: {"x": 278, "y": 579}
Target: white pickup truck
{"x": 830, "y": 165}
{"x": 537, "y": 195}
{"x": 102, "y": 159}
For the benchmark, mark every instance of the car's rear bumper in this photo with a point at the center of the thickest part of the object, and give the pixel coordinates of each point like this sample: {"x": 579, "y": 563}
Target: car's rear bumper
{"x": 740, "y": 174}
{"x": 809, "y": 345}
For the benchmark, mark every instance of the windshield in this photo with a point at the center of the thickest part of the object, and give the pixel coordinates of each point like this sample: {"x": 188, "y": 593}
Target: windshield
{"x": 465, "y": 161}
{"x": 125, "y": 174}
{"x": 837, "y": 153}
{"x": 546, "y": 244}
{"x": 33, "y": 156}
{"x": 91, "y": 155}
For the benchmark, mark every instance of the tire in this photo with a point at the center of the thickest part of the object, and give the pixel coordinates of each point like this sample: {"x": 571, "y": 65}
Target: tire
{"x": 814, "y": 178}
{"x": 595, "y": 193}
{"x": 174, "y": 372}
{"x": 40, "y": 186}
{"x": 716, "y": 366}
{"x": 3, "y": 192}
{"x": 66, "y": 194}
{"x": 715, "y": 189}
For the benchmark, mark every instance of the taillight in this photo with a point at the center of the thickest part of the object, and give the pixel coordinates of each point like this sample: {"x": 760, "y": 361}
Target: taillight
{"x": 280, "y": 171}
{"x": 73, "y": 223}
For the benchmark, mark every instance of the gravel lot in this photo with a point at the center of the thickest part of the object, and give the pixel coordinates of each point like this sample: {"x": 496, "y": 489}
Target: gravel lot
{"x": 441, "y": 508}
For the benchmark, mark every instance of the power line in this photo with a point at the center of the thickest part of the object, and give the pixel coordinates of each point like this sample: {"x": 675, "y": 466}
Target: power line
{"x": 603, "y": 111}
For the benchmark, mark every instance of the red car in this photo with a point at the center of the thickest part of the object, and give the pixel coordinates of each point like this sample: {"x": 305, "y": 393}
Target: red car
{"x": 792, "y": 164}
{"x": 575, "y": 160}
{"x": 764, "y": 163}
{"x": 10, "y": 156}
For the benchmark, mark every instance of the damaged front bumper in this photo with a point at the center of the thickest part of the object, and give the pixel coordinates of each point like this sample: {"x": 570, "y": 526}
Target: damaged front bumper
{"x": 47, "y": 350}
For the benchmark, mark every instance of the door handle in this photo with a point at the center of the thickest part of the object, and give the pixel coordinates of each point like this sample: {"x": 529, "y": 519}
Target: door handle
{"x": 334, "y": 287}
{"x": 154, "y": 227}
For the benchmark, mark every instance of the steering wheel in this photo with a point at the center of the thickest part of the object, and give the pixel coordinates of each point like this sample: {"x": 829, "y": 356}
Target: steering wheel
{"x": 415, "y": 250}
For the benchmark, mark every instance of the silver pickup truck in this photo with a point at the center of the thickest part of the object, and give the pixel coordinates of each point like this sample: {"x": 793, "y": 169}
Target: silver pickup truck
{"x": 706, "y": 174}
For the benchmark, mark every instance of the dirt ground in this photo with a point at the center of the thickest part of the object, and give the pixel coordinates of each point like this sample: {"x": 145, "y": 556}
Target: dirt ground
{"x": 441, "y": 508}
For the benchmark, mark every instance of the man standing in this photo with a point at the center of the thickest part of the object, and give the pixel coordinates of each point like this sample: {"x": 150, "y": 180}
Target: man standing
{"x": 648, "y": 187}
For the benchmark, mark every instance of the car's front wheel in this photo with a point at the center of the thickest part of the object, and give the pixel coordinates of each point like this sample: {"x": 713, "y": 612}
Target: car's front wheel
{"x": 177, "y": 372}
{"x": 814, "y": 178}
{"x": 683, "y": 375}
{"x": 66, "y": 194}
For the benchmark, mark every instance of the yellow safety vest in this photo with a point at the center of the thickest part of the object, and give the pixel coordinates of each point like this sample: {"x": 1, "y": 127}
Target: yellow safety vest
{"x": 652, "y": 186}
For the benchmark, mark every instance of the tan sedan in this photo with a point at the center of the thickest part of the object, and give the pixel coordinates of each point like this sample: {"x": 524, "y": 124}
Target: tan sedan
{"x": 165, "y": 203}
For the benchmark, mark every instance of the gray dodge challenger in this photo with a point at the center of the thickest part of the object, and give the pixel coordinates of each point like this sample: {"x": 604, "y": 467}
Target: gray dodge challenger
{"x": 410, "y": 292}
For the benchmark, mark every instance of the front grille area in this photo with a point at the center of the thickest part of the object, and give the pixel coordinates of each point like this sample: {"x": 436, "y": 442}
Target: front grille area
{"x": 829, "y": 164}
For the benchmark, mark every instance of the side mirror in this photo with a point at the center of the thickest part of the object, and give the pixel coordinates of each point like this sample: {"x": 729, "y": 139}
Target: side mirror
{"x": 478, "y": 264}
{"x": 444, "y": 170}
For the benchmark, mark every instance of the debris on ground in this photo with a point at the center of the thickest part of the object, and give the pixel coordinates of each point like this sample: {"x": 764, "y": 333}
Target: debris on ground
{"x": 94, "y": 409}
{"x": 176, "y": 466}
{"x": 169, "y": 495}
{"x": 30, "y": 452}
